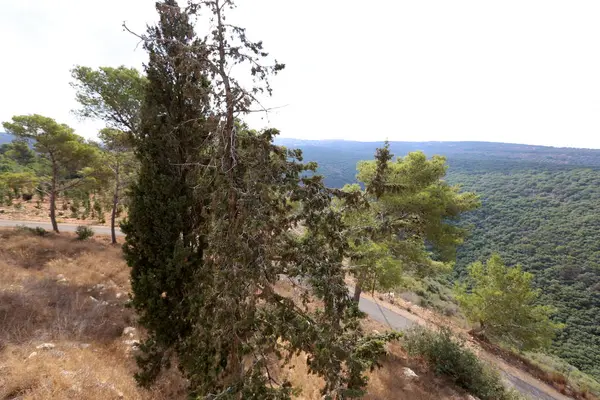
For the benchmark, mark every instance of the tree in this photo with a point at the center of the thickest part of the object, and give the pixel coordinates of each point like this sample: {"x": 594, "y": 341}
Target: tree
{"x": 112, "y": 95}
{"x": 501, "y": 300}
{"x": 20, "y": 152}
{"x": 209, "y": 236}
{"x": 68, "y": 154}
{"x": 408, "y": 221}
{"x": 118, "y": 157}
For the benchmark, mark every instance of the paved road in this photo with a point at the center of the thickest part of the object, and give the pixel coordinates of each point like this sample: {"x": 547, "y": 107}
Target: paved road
{"x": 384, "y": 315}
{"x": 100, "y": 230}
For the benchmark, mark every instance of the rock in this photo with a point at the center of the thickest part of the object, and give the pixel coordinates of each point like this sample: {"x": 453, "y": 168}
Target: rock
{"x": 119, "y": 295}
{"x": 129, "y": 331}
{"x": 46, "y": 346}
{"x": 375, "y": 332}
{"x": 134, "y": 344}
{"x": 33, "y": 354}
{"x": 58, "y": 353}
{"x": 409, "y": 373}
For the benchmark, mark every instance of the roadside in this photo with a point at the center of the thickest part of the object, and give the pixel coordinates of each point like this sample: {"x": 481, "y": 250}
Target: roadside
{"x": 400, "y": 319}
{"x": 98, "y": 229}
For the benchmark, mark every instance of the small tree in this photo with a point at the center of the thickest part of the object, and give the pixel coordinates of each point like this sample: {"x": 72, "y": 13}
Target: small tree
{"x": 501, "y": 300}
{"x": 68, "y": 154}
{"x": 118, "y": 157}
{"x": 407, "y": 221}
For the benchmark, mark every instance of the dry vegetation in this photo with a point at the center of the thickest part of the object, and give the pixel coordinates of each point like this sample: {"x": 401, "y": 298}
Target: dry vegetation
{"x": 62, "y": 322}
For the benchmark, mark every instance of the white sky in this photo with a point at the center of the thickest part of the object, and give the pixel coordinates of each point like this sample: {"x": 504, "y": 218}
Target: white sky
{"x": 522, "y": 71}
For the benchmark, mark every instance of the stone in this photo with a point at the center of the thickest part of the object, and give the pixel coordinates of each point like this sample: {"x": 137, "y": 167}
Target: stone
{"x": 132, "y": 343}
{"x": 46, "y": 346}
{"x": 409, "y": 373}
{"x": 33, "y": 354}
{"x": 129, "y": 331}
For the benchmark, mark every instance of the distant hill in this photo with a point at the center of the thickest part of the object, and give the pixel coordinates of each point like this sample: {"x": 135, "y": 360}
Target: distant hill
{"x": 5, "y": 138}
{"x": 337, "y": 158}
{"x": 540, "y": 208}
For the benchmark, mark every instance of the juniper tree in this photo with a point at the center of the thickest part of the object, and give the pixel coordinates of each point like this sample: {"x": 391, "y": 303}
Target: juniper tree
{"x": 210, "y": 230}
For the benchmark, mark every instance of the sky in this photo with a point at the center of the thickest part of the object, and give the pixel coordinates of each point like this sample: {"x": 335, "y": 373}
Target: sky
{"x": 518, "y": 71}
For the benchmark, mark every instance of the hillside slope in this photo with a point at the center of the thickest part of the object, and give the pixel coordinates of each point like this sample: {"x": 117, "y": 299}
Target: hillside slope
{"x": 539, "y": 208}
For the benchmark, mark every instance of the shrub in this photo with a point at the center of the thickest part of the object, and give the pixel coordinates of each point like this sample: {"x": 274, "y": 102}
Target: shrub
{"x": 449, "y": 357}
{"x": 38, "y": 231}
{"x": 84, "y": 232}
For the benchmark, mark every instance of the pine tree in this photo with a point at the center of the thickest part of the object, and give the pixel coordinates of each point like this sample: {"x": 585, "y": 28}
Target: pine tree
{"x": 406, "y": 224}
{"x": 503, "y": 303}
{"x": 210, "y": 231}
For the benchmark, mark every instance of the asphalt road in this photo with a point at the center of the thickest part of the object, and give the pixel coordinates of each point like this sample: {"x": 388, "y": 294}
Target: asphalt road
{"x": 384, "y": 315}
{"x": 378, "y": 312}
{"x": 100, "y": 230}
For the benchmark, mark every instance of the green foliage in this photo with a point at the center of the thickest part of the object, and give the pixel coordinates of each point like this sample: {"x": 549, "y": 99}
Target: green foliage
{"x": 113, "y": 95}
{"x": 84, "y": 232}
{"x": 545, "y": 219}
{"x": 502, "y": 301}
{"x": 449, "y": 357}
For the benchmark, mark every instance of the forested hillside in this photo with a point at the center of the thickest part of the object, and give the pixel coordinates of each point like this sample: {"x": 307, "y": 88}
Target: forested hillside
{"x": 540, "y": 208}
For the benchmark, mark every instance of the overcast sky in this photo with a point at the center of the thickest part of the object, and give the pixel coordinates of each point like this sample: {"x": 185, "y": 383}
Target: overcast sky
{"x": 522, "y": 71}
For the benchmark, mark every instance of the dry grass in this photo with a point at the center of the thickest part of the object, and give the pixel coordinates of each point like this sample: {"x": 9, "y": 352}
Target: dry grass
{"x": 72, "y": 294}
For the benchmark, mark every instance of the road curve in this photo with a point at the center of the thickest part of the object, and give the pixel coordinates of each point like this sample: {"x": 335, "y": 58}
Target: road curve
{"x": 398, "y": 322}
{"x": 99, "y": 230}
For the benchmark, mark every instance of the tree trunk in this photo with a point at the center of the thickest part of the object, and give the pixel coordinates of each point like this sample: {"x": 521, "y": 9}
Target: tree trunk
{"x": 357, "y": 291}
{"x": 113, "y": 215}
{"x": 53, "y": 210}
{"x": 53, "y": 200}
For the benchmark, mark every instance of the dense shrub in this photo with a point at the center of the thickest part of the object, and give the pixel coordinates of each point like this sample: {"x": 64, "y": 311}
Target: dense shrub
{"x": 449, "y": 357}
{"x": 84, "y": 232}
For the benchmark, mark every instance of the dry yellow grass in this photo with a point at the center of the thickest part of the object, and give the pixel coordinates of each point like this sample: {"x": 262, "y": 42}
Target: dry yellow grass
{"x": 72, "y": 294}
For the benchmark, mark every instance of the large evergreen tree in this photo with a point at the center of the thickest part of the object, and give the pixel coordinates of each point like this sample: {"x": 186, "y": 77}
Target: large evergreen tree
{"x": 210, "y": 230}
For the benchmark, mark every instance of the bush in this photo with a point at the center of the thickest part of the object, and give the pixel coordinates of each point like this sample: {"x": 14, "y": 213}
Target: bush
{"x": 38, "y": 231}
{"x": 84, "y": 232}
{"x": 448, "y": 356}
